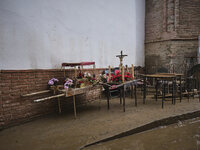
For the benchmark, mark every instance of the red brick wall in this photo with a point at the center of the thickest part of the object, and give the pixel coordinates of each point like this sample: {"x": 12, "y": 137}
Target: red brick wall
{"x": 189, "y": 24}
{"x": 15, "y": 109}
{"x": 172, "y": 28}
{"x": 157, "y": 54}
{"x": 154, "y": 19}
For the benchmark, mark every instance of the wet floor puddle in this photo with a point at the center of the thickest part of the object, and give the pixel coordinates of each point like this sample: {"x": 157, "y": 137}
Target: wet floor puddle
{"x": 180, "y": 136}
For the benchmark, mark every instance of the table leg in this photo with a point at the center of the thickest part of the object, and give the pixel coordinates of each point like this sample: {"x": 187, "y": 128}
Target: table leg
{"x": 123, "y": 98}
{"x": 180, "y": 89}
{"x": 175, "y": 90}
{"x": 135, "y": 95}
{"x": 144, "y": 92}
{"x": 120, "y": 90}
{"x": 193, "y": 86}
{"x": 74, "y": 102}
{"x": 156, "y": 89}
{"x": 131, "y": 90}
{"x": 198, "y": 90}
{"x": 163, "y": 93}
{"x": 188, "y": 84}
{"x": 59, "y": 107}
{"x": 108, "y": 98}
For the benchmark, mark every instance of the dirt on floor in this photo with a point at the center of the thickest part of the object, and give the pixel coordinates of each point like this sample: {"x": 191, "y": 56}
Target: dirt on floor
{"x": 94, "y": 122}
{"x": 179, "y": 136}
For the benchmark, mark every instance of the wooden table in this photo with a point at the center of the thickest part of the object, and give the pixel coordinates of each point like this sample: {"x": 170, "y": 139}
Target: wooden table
{"x": 78, "y": 91}
{"x": 72, "y": 92}
{"x": 163, "y": 78}
{"x": 122, "y": 87}
{"x": 179, "y": 76}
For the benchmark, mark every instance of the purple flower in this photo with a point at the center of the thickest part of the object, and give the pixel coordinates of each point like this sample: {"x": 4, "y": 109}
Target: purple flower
{"x": 68, "y": 83}
{"x": 66, "y": 87}
{"x": 54, "y": 79}
{"x": 70, "y": 80}
{"x": 50, "y": 82}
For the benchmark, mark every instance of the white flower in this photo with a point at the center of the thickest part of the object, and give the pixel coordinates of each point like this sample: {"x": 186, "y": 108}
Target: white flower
{"x": 89, "y": 75}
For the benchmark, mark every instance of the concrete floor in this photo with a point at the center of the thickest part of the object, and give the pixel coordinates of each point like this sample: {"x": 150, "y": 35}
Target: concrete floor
{"x": 183, "y": 135}
{"x": 63, "y": 132}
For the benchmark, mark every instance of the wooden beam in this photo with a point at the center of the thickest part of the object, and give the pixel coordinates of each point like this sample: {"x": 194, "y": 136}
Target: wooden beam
{"x": 50, "y": 97}
{"x": 35, "y": 93}
{"x": 132, "y": 70}
{"x": 109, "y": 73}
{"x": 122, "y": 74}
{"x": 75, "y": 72}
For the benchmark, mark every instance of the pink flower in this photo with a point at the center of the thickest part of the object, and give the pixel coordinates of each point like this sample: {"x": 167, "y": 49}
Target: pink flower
{"x": 116, "y": 71}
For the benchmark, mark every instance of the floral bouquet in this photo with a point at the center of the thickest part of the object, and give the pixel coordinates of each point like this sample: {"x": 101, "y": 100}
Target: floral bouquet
{"x": 53, "y": 81}
{"x": 116, "y": 77}
{"x": 52, "y": 84}
{"x": 89, "y": 79}
{"x": 128, "y": 76}
{"x": 68, "y": 83}
{"x": 103, "y": 78}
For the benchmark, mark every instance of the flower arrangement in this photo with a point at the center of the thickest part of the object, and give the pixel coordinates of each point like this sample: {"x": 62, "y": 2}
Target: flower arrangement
{"x": 80, "y": 75}
{"x": 53, "y": 81}
{"x": 91, "y": 79}
{"x": 104, "y": 78}
{"x": 116, "y": 77}
{"x": 128, "y": 76}
{"x": 68, "y": 83}
{"x": 87, "y": 79}
{"x": 87, "y": 74}
{"x": 80, "y": 83}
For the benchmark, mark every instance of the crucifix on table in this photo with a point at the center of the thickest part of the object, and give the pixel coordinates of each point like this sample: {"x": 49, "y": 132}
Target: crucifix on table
{"x": 121, "y": 56}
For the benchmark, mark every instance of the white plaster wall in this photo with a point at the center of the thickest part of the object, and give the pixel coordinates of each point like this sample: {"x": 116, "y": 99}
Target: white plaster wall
{"x": 41, "y": 34}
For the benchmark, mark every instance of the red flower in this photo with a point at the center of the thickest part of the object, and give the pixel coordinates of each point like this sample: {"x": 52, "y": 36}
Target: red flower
{"x": 128, "y": 73}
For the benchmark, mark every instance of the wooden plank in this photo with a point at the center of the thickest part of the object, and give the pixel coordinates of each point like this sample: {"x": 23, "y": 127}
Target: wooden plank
{"x": 122, "y": 74}
{"x": 185, "y": 93}
{"x": 159, "y": 75}
{"x": 75, "y": 72}
{"x": 35, "y": 93}
{"x": 50, "y": 97}
{"x": 132, "y": 71}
